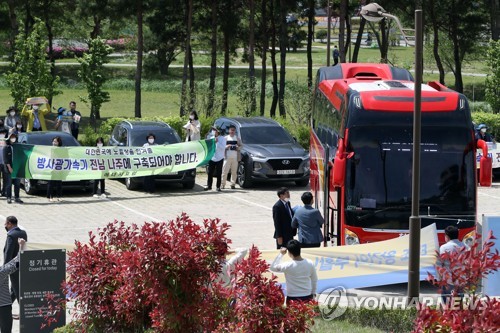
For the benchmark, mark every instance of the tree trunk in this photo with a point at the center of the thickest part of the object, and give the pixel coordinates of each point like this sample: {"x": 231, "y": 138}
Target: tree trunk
{"x": 342, "y": 16}
{"x": 14, "y": 27}
{"x": 251, "y": 57}
{"x": 138, "y": 70}
{"x": 192, "y": 92}
{"x": 213, "y": 62}
{"x": 265, "y": 45}
{"x": 435, "y": 47}
{"x": 163, "y": 63}
{"x": 96, "y": 29}
{"x": 50, "y": 36}
{"x": 283, "y": 42}
{"x": 28, "y": 20}
{"x": 459, "y": 85}
{"x": 187, "y": 48}
{"x": 495, "y": 19}
{"x": 274, "y": 102}
{"x": 310, "y": 37}
{"x": 359, "y": 39}
{"x": 225, "y": 73}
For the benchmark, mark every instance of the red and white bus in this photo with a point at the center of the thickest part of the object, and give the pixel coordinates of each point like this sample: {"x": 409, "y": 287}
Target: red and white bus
{"x": 361, "y": 154}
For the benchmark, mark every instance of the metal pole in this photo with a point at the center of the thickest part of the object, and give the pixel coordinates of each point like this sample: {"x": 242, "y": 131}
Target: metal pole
{"x": 328, "y": 26}
{"x": 415, "y": 225}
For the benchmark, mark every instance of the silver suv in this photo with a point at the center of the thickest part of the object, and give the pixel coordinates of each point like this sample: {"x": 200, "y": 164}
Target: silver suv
{"x": 269, "y": 152}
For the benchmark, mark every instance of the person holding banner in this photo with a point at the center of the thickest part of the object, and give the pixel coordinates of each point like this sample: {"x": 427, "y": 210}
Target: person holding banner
{"x": 149, "y": 181}
{"x": 215, "y": 164}
{"x": 36, "y": 117}
{"x": 300, "y": 274}
{"x": 99, "y": 143}
{"x": 64, "y": 120}
{"x": 5, "y": 298}
{"x": 309, "y": 222}
{"x": 193, "y": 127}
{"x": 55, "y": 184}
{"x": 7, "y": 160}
{"x": 282, "y": 217}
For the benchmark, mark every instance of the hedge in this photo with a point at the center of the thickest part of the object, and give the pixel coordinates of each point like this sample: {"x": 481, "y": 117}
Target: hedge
{"x": 492, "y": 120}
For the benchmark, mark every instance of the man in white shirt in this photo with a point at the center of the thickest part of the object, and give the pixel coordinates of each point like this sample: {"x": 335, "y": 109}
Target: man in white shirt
{"x": 217, "y": 161}
{"x": 300, "y": 274}
{"x": 233, "y": 146}
{"x": 452, "y": 245}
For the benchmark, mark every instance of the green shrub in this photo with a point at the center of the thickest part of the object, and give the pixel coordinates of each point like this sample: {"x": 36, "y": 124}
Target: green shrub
{"x": 492, "y": 120}
{"x": 396, "y": 321}
{"x": 475, "y": 91}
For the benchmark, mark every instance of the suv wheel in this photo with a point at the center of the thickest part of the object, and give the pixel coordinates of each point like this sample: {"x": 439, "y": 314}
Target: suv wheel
{"x": 244, "y": 175}
{"x": 189, "y": 185}
{"x": 302, "y": 182}
{"x": 131, "y": 185}
{"x": 29, "y": 186}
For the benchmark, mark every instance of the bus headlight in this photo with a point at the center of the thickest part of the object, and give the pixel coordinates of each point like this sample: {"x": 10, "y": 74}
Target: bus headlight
{"x": 468, "y": 239}
{"x": 350, "y": 237}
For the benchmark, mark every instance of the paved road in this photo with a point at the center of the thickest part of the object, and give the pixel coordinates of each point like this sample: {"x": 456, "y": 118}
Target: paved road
{"x": 248, "y": 211}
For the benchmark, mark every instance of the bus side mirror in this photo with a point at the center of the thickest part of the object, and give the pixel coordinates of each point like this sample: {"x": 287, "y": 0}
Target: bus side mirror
{"x": 339, "y": 165}
{"x": 485, "y": 165}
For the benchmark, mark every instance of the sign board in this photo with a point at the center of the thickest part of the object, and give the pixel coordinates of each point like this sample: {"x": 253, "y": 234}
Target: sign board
{"x": 493, "y": 152}
{"x": 491, "y": 283}
{"x": 40, "y": 273}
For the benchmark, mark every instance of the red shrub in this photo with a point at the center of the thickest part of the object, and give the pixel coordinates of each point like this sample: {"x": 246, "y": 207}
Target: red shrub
{"x": 161, "y": 276}
{"x": 259, "y": 303}
{"x": 152, "y": 276}
{"x": 472, "y": 313}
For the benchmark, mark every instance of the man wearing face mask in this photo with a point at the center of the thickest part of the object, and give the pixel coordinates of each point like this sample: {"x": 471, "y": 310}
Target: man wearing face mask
{"x": 149, "y": 181}
{"x": 75, "y": 125}
{"x": 7, "y": 159}
{"x": 282, "y": 216}
{"x": 481, "y": 133}
{"x": 215, "y": 164}
{"x": 36, "y": 117}
{"x": 10, "y": 251}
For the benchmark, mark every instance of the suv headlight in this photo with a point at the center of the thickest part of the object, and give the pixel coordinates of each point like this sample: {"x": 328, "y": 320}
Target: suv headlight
{"x": 350, "y": 237}
{"x": 255, "y": 155}
{"x": 307, "y": 165}
{"x": 468, "y": 239}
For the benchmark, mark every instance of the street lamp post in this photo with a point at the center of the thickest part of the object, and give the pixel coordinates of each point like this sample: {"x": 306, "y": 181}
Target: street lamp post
{"x": 328, "y": 33}
{"x": 375, "y": 13}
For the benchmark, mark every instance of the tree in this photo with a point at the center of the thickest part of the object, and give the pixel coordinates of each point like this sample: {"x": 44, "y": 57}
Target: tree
{"x": 251, "y": 56}
{"x": 187, "y": 54}
{"x": 92, "y": 74}
{"x": 139, "y": 11}
{"x": 30, "y": 75}
{"x": 493, "y": 78}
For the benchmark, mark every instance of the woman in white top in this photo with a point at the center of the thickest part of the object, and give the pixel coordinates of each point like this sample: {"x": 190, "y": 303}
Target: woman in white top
{"x": 193, "y": 127}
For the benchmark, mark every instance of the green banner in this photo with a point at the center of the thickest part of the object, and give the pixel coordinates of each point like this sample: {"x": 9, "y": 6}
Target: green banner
{"x": 82, "y": 163}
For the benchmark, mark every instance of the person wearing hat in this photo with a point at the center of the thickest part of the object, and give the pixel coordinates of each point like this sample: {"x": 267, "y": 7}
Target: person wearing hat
{"x": 64, "y": 120}
{"x": 11, "y": 119}
{"x": 217, "y": 161}
{"x": 481, "y": 133}
{"x": 36, "y": 117}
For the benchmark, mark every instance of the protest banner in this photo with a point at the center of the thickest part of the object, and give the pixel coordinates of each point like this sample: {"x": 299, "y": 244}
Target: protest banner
{"x": 87, "y": 163}
{"x": 367, "y": 265}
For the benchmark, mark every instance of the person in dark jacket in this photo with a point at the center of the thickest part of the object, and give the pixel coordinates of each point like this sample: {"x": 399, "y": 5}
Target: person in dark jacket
{"x": 5, "y": 298}
{"x": 309, "y": 222}
{"x": 10, "y": 250}
{"x": 7, "y": 160}
{"x": 282, "y": 216}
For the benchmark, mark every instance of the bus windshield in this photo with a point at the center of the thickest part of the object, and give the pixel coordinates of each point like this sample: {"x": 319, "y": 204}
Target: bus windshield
{"x": 379, "y": 175}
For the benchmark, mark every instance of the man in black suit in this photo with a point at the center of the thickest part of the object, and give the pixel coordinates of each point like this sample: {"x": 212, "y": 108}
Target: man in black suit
{"x": 10, "y": 251}
{"x": 282, "y": 216}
